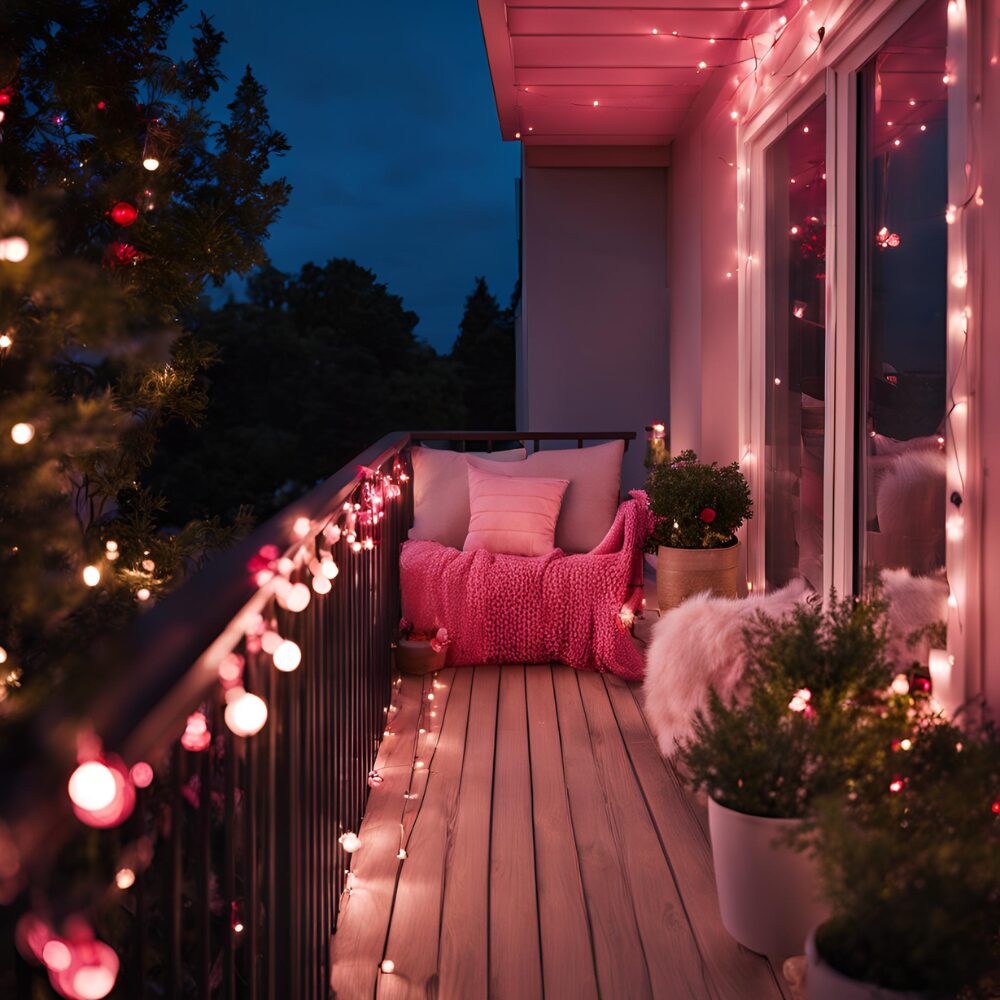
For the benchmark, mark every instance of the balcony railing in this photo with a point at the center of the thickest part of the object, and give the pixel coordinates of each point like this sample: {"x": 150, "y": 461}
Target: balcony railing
{"x": 224, "y": 879}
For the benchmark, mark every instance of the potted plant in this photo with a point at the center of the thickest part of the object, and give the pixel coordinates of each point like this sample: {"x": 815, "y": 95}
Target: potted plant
{"x": 817, "y": 705}
{"x": 911, "y": 868}
{"x": 420, "y": 652}
{"x": 699, "y": 509}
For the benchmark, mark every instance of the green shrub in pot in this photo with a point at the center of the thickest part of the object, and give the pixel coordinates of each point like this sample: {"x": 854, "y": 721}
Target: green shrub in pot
{"x": 699, "y": 508}
{"x": 816, "y": 712}
{"x": 910, "y": 864}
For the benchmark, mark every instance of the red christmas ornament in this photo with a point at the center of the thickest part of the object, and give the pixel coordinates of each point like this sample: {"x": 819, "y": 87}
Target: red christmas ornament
{"x": 996, "y": 807}
{"x": 707, "y": 515}
{"x": 6, "y": 96}
{"x": 101, "y": 105}
{"x": 124, "y": 214}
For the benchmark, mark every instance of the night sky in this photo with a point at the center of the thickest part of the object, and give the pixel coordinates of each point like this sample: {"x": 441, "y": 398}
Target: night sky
{"x": 396, "y": 155}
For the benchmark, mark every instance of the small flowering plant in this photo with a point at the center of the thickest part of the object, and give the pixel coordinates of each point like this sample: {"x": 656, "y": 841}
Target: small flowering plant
{"x": 697, "y": 505}
{"x": 911, "y": 866}
{"x": 817, "y": 712}
{"x": 438, "y": 638}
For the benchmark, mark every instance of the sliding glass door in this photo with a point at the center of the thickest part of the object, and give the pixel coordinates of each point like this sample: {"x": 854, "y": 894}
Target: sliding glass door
{"x": 795, "y": 347}
{"x": 900, "y": 390}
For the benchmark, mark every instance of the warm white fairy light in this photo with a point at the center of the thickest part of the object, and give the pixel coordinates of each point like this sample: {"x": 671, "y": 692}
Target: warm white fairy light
{"x": 297, "y": 598}
{"x": 287, "y": 656}
{"x": 301, "y": 527}
{"x": 6, "y": 341}
{"x": 22, "y": 433}
{"x": 900, "y": 684}
{"x": 329, "y": 569}
{"x": 91, "y": 576}
{"x": 245, "y": 713}
{"x": 92, "y": 786}
{"x": 14, "y": 248}
{"x": 143, "y": 594}
{"x": 125, "y": 878}
{"x": 151, "y": 163}
{"x": 388, "y": 966}
{"x": 350, "y": 841}
{"x": 321, "y": 584}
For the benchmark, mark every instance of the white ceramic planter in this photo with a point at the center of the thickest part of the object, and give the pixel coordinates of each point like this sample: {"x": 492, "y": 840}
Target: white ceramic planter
{"x": 682, "y": 573}
{"x": 823, "y": 982}
{"x": 768, "y": 892}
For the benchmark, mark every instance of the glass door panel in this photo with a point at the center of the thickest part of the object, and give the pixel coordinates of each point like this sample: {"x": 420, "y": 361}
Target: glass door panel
{"x": 901, "y": 328}
{"x": 796, "y": 351}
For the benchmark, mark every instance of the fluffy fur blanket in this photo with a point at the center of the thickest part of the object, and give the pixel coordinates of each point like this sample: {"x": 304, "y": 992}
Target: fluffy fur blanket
{"x": 513, "y": 609}
{"x": 699, "y": 645}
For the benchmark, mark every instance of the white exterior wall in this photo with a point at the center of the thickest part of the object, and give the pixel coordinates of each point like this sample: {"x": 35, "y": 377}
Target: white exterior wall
{"x": 592, "y": 337}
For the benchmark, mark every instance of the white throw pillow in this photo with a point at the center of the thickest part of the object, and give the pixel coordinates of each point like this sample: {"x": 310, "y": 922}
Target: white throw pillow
{"x": 441, "y": 492}
{"x": 515, "y": 515}
{"x": 591, "y": 501}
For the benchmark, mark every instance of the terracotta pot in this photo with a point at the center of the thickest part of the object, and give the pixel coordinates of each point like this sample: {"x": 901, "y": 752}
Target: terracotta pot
{"x": 823, "y": 982}
{"x": 415, "y": 656}
{"x": 682, "y": 573}
{"x": 768, "y": 892}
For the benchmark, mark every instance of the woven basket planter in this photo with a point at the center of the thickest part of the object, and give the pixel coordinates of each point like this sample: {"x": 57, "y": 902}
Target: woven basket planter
{"x": 682, "y": 573}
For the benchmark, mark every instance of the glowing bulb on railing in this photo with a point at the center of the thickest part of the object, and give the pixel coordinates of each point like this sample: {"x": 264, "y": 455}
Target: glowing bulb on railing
{"x": 350, "y": 841}
{"x": 321, "y": 584}
{"x": 92, "y": 786}
{"x": 960, "y": 279}
{"x": 952, "y": 601}
{"x": 297, "y": 599}
{"x": 287, "y": 656}
{"x": 270, "y": 641}
{"x": 329, "y": 569}
{"x": 245, "y": 713}
{"x": 356, "y": 546}
{"x": 125, "y": 878}
{"x": 91, "y": 576}
{"x": 301, "y": 527}
{"x": 951, "y": 214}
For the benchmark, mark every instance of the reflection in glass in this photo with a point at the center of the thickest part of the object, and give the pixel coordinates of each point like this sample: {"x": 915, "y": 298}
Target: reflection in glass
{"x": 902, "y": 258}
{"x": 796, "y": 348}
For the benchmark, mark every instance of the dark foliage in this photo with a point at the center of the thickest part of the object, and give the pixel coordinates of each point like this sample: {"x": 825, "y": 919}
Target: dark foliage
{"x": 699, "y": 506}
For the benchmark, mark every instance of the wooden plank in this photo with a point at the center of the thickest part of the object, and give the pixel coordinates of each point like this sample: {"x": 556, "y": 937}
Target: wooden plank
{"x": 515, "y": 958}
{"x": 414, "y": 929}
{"x": 364, "y": 915}
{"x": 734, "y": 971}
{"x": 464, "y": 968}
{"x": 621, "y": 965}
{"x": 567, "y": 951}
{"x": 675, "y": 964}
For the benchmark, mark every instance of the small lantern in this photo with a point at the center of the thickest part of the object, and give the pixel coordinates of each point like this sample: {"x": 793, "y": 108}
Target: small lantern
{"x": 657, "y": 445}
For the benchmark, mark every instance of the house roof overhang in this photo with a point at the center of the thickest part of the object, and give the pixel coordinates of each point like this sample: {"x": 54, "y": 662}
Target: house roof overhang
{"x": 614, "y": 72}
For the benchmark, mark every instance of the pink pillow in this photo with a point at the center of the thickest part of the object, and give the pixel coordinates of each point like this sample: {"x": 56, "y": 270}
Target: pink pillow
{"x": 513, "y": 515}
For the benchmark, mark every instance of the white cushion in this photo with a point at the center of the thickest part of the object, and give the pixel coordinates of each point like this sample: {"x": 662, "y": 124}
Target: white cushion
{"x": 591, "y": 500}
{"x": 441, "y": 492}
{"x": 513, "y": 514}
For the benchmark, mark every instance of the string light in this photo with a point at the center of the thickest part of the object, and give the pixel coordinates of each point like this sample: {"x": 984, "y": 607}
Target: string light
{"x": 246, "y": 713}
{"x": 92, "y": 786}
{"x": 151, "y": 163}
{"x": 350, "y": 841}
{"x": 22, "y": 433}
{"x": 91, "y": 576}
{"x": 388, "y": 966}
{"x": 6, "y": 341}
{"x": 14, "y": 249}
{"x": 287, "y": 656}
{"x": 125, "y": 878}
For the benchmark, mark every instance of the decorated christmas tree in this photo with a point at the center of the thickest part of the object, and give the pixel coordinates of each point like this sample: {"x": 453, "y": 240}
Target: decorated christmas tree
{"x": 124, "y": 199}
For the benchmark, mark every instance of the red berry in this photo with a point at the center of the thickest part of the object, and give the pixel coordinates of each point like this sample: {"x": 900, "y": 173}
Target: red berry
{"x": 707, "y": 515}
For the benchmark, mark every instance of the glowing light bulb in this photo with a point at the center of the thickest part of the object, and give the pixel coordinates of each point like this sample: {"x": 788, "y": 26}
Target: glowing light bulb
{"x": 125, "y": 878}
{"x": 905, "y": 744}
{"x": 951, "y": 214}
{"x": 301, "y": 527}
{"x": 734, "y": 115}
{"x": 3, "y": 655}
{"x": 597, "y": 104}
{"x": 22, "y": 433}
{"x": 350, "y": 841}
{"x": 900, "y": 684}
{"x": 401, "y": 854}
{"x": 287, "y": 656}
{"x": 6, "y": 341}
{"x": 92, "y": 786}
{"x": 329, "y": 569}
{"x": 14, "y": 249}
{"x": 91, "y": 576}
{"x": 952, "y": 601}
{"x": 196, "y": 736}
{"x": 702, "y": 64}
{"x": 246, "y": 713}
{"x": 946, "y": 79}
{"x": 744, "y": 5}
{"x": 356, "y": 546}
{"x": 270, "y": 641}
{"x": 897, "y": 142}
{"x": 960, "y": 279}
{"x": 297, "y": 598}
{"x": 141, "y": 774}
{"x": 782, "y": 20}
{"x": 143, "y": 594}
{"x": 913, "y": 103}
{"x": 794, "y": 231}
{"x": 388, "y": 966}
{"x": 151, "y": 163}
{"x": 321, "y": 584}
{"x": 805, "y": 129}
{"x": 777, "y": 380}
{"x": 896, "y": 785}
{"x": 56, "y": 956}
{"x": 655, "y": 31}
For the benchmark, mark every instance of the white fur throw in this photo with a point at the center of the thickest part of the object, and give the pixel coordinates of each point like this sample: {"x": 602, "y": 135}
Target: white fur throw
{"x": 699, "y": 645}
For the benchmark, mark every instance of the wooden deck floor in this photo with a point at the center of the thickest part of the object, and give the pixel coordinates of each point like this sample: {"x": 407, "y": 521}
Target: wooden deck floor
{"x": 550, "y": 851}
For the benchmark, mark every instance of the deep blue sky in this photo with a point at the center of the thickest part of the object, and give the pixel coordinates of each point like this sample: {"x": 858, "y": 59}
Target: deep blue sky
{"x": 396, "y": 155}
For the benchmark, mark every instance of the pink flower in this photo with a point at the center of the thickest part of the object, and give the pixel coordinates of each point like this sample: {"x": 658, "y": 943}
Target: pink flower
{"x": 442, "y": 635}
{"x": 436, "y": 646}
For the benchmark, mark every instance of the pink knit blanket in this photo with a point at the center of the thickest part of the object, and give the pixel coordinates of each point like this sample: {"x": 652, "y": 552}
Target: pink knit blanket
{"x": 514, "y": 609}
